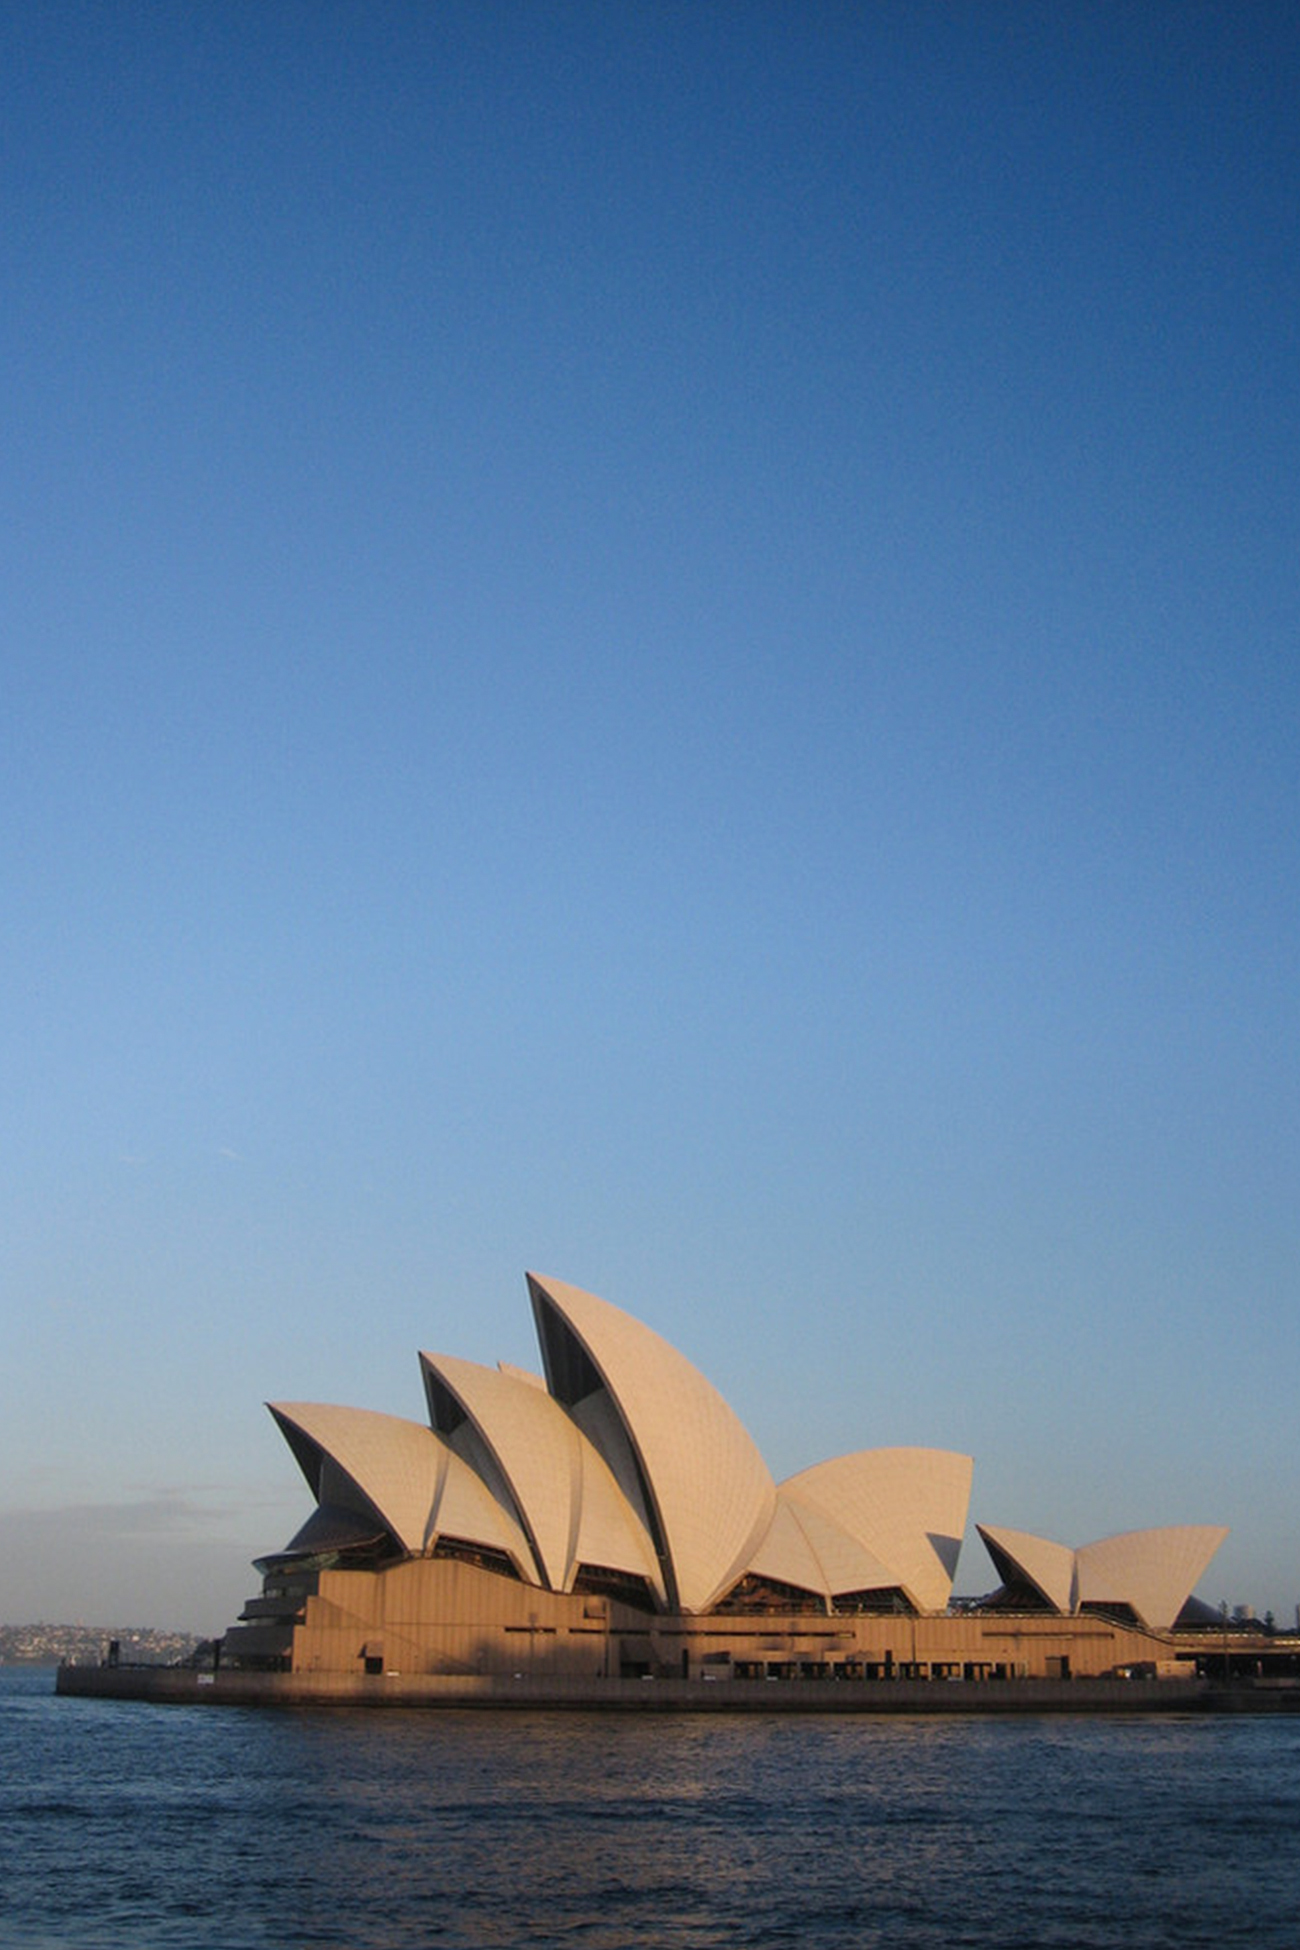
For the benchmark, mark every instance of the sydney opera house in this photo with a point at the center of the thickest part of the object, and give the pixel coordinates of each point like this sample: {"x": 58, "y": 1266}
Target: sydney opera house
{"x": 611, "y": 1518}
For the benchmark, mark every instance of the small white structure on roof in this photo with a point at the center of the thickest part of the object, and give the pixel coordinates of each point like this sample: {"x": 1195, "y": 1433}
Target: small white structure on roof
{"x": 1150, "y": 1573}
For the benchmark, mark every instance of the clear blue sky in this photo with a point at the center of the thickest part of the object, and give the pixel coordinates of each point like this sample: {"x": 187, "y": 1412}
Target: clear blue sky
{"x": 656, "y": 642}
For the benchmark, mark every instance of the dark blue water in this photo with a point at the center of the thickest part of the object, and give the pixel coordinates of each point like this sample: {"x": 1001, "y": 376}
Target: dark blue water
{"x": 129, "y": 1825}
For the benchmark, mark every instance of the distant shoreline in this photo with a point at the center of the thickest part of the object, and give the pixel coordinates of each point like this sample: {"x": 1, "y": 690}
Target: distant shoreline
{"x": 45, "y": 1644}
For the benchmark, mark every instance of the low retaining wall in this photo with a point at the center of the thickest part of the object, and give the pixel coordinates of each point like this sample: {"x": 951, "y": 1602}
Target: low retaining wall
{"x": 171, "y": 1685}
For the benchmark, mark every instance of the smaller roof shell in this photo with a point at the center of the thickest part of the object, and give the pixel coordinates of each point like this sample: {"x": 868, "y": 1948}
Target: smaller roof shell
{"x": 417, "y": 1485}
{"x": 906, "y": 1508}
{"x": 1154, "y": 1571}
{"x": 807, "y": 1548}
{"x": 1036, "y": 1561}
{"x": 563, "y": 1491}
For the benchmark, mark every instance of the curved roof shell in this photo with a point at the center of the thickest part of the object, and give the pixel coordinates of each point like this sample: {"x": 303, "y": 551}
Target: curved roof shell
{"x": 904, "y": 1508}
{"x": 807, "y": 1548}
{"x": 560, "y": 1488}
{"x": 680, "y": 1454}
{"x": 1154, "y": 1571}
{"x": 415, "y": 1483}
{"x": 1036, "y": 1561}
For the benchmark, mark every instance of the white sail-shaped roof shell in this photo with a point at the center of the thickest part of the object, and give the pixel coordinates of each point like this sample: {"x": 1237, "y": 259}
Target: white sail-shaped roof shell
{"x": 562, "y": 1489}
{"x": 418, "y": 1486}
{"x": 806, "y": 1548}
{"x": 525, "y": 1375}
{"x": 710, "y": 1495}
{"x": 1048, "y": 1567}
{"x": 787, "y": 1554}
{"x": 904, "y": 1508}
{"x": 1154, "y": 1571}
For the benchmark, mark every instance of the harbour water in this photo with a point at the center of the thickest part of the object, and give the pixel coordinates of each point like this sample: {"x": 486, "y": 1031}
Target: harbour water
{"x": 126, "y": 1826}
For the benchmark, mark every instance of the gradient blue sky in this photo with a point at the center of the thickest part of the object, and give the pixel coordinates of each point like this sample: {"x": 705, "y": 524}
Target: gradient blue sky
{"x": 656, "y": 642}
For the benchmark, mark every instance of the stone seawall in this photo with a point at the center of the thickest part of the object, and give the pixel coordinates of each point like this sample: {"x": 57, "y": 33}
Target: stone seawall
{"x": 170, "y": 1685}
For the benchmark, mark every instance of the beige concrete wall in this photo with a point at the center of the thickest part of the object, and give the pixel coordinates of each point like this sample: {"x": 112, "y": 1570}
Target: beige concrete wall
{"x": 436, "y": 1615}
{"x": 440, "y": 1616}
{"x": 172, "y": 1685}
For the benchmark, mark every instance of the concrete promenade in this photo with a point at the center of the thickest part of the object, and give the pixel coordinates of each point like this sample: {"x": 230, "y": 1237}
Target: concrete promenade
{"x": 172, "y": 1685}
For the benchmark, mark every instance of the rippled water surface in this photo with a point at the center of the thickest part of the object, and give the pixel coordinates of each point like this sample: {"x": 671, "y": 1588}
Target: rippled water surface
{"x": 123, "y": 1824}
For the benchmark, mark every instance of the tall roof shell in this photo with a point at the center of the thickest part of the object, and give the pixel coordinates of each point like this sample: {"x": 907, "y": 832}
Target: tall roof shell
{"x": 707, "y": 1493}
{"x": 568, "y": 1503}
{"x": 525, "y": 1375}
{"x": 906, "y": 1508}
{"x": 1154, "y": 1571}
{"x": 1048, "y": 1567}
{"x": 406, "y": 1473}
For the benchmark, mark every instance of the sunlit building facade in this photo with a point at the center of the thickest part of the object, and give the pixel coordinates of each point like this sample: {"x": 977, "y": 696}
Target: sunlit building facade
{"x": 612, "y": 1518}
